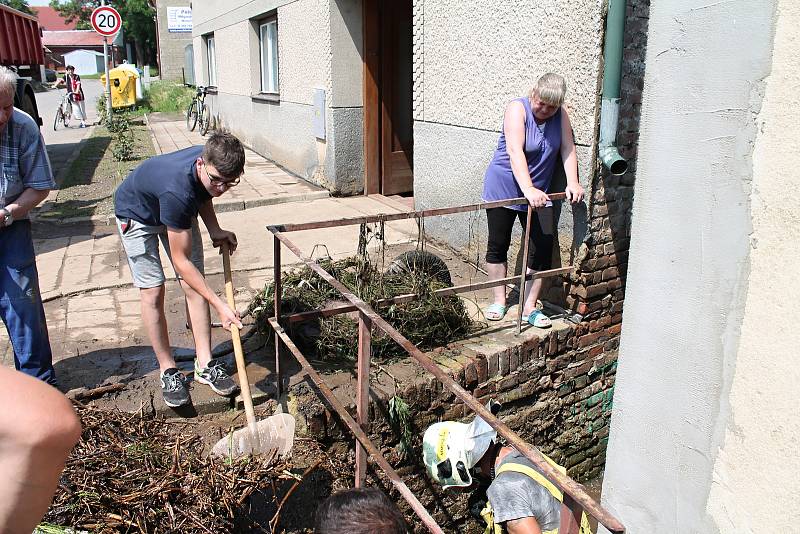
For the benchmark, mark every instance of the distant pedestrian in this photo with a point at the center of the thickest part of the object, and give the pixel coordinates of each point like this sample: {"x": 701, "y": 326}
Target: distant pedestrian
{"x": 74, "y": 87}
{"x": 361, "y": 511}
{"x": 160, "y": 201}
{"x": 25, "y": 181}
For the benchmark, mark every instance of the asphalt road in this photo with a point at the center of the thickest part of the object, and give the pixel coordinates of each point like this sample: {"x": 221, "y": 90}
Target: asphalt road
{"x": 62, "y": 143}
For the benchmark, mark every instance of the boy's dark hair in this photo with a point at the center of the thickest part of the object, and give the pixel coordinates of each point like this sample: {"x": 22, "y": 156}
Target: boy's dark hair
{"x": 361, "y": 511}
{"x": 226, "y": 153}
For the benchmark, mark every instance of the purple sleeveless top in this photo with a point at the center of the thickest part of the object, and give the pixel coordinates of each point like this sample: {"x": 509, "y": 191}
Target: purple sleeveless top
{"x": 541, "y": 151}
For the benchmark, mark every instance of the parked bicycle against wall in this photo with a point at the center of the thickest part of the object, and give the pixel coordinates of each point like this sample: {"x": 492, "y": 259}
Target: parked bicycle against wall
{"x": 64, "y": 111}
{"x": 198, "y": 111}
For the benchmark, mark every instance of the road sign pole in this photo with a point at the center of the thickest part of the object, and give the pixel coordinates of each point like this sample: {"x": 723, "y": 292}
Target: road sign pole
{"x": 108, "y": 78}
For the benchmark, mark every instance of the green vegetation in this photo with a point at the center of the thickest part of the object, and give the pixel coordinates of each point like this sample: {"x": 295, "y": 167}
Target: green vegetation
{"x": 170, "y": 97}
{"x": 163, "y": 97}
{"x": 21, "y": 5}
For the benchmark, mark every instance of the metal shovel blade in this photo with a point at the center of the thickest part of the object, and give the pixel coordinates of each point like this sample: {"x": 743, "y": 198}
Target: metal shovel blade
{"x": 273, "y": 433}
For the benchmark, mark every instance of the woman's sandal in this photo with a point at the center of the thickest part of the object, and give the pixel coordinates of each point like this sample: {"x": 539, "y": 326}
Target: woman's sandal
{"x": 538, "y": 319}
{"x": 495, "y": 312}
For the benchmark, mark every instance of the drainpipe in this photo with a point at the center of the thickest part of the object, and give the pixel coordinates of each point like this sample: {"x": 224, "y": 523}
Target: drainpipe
{"x": 612, "y": 77}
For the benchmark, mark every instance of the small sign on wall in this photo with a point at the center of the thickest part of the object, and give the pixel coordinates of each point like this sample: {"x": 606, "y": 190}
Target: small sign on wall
{"x": 179, "y": 19}
{"x": 318, "y": 121}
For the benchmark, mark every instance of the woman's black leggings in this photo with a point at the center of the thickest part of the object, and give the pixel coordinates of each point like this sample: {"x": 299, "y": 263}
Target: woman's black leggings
{"x": 501, "y": 222}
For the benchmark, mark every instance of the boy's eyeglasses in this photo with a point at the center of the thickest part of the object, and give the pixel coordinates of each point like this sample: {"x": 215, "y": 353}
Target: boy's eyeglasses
{"x": 217, "y": 181}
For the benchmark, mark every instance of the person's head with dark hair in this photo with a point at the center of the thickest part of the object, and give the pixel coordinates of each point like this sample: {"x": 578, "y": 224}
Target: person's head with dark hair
{"x": 226, "y": 153}
{"x": 361, "y": 511}
{"x": 70, "y": 69}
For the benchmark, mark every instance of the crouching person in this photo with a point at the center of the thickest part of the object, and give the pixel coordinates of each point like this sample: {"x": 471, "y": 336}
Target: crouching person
{"x": 520, "y": 499}
{"x": 160, "y": 201}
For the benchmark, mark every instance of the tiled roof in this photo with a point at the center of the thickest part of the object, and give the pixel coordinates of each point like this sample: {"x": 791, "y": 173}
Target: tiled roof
{"x": 72, "y": 38}
{"x": 50, "y": 20}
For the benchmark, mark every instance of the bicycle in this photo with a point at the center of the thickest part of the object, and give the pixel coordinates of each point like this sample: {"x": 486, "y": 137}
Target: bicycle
{"x": 64, "y": 111}
{"x": 198, "y": 111}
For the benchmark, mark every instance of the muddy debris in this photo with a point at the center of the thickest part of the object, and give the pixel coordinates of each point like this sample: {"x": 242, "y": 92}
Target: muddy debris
{"x": 136, "y": 473}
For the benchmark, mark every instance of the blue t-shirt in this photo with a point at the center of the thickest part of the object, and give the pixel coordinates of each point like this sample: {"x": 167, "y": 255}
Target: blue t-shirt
{"x": 164, "y": 190}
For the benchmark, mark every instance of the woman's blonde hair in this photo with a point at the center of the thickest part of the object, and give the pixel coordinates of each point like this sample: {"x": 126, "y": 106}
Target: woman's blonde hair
{"x": 550, "y": 89}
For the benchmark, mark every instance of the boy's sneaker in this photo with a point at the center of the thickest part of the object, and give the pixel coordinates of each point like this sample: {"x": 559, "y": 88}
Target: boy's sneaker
{"x": 173, "y": 388}
{"x": 216, "y": 377}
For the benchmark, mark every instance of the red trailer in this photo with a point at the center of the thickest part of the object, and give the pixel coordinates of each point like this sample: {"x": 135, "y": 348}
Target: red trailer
{"x": 21, "y": 48}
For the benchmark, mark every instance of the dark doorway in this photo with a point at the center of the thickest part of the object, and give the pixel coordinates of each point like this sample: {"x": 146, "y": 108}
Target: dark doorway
{"x": 388, "y": 97}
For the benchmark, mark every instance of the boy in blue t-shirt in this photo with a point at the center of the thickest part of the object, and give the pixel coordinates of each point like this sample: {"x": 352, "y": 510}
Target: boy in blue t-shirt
{"x": 160, "y": 201}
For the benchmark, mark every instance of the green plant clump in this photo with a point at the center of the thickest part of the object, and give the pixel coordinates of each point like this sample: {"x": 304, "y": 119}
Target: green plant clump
{"x": 123, "y": 144}
{"x": 168, "y": 97}
{"x": 428, "y": 322}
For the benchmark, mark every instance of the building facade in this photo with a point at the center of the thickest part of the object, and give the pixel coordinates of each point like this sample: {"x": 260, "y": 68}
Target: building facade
{"x": 288, "y": 81}
{"x": 174, "y": 29}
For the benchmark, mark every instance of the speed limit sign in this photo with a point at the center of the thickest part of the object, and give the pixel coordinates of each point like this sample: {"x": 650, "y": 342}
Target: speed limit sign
{"x": 106, "y": 20}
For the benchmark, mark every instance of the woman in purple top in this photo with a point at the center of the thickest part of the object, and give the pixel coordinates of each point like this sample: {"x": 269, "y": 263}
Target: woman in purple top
{"x": 535, "y": 130}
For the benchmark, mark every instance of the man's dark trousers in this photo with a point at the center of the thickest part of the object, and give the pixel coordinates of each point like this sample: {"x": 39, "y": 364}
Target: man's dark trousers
{"x": 21, "y": 303}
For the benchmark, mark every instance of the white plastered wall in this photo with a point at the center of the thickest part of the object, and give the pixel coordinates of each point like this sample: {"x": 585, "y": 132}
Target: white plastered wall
{"x": 705, "y": 429}
{"x": 282, "y": 130}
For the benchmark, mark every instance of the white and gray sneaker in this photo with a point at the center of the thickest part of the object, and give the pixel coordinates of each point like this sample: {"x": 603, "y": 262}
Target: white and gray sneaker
{"x": 173, "y": 388}
{"x": 216, "y": 377}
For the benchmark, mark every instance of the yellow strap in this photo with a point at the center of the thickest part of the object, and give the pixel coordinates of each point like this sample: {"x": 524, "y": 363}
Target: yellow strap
{"x": 488, "y": 513}
{"x": 535, "y": 475}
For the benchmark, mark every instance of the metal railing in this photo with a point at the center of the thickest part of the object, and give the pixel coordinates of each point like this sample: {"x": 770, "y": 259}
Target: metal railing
{"x": 575, "y": 498}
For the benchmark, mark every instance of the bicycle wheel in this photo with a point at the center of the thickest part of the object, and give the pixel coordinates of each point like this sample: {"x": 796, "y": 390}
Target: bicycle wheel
{"x": 59, "y": 118}
{"x": 191, "y": 116}
{"x": 67, "y": 113}
{"x": 205, "y": 119}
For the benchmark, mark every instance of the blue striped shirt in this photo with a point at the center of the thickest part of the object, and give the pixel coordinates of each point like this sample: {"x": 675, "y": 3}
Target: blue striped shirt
{"x": 23, "y": 158}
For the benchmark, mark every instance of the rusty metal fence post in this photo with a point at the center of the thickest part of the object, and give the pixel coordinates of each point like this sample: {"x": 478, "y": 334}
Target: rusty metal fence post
{"x": 525, "y": 245}
{"x": 362, "y": 395}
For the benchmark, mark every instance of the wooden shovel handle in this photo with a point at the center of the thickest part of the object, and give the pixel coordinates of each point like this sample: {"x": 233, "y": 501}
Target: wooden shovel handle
{"x": 238, "y": 352}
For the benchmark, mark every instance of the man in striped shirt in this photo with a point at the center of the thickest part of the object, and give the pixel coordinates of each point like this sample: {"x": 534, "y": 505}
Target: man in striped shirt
{"x": 25, "y": 181}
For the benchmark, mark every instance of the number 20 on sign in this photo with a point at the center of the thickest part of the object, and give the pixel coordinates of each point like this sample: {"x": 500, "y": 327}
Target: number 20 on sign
{"x": 106, "y": 20}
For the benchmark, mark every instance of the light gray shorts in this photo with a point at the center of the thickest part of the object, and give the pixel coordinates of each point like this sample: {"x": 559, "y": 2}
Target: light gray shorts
{"x": 141, "y": 246}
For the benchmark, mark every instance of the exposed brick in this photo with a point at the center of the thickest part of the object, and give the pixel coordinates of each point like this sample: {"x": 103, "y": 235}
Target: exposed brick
{"x": 502, "y": 363}
{"x": 482, "y": 369}
{"x": 492, "y": 364}
{"x": 611, "y": 272}
{"x": 470, "y": 376}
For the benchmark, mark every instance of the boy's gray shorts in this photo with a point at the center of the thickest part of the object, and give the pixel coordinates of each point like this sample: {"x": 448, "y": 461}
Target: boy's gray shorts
{"x": 141, "y": 246}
